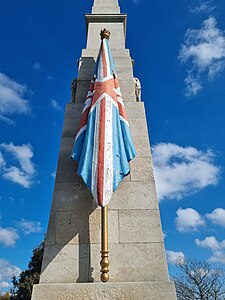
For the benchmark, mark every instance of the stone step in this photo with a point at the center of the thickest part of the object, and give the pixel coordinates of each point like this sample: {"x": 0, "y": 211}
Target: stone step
{"x": 163, "y": 290}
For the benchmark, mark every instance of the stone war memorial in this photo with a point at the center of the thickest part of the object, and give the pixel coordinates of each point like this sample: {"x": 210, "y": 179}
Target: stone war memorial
{"x": 126, "y": 234}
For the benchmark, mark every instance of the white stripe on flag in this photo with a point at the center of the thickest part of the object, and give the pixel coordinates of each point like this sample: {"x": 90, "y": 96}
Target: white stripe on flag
{"x": 108, "y": 153}
{"x": 87, "y": 104}
{"x": 124, "y": 120}
{"x": 120, "y": 100}
{"x": 95, "y": 154}
{"x": 80, "y": 131}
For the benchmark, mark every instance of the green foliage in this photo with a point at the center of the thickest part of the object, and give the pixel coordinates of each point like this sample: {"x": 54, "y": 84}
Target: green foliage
{"x": 6, "y": 296}
{"x": 22, "y": 287}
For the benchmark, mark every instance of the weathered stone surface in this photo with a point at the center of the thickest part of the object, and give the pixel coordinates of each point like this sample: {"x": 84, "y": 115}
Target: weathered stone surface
{"x": 83, "y": 227}
{"x": 117, "y": 38}
{"x": 132, "y": 262}
{"x": 61, "y": 264}
{"x": 127, "y": 90}
{"x": 140, "y": 226}
{"x": 74, "y": 110}
{"x": 135, "y": 109}
{"x": 106, "y": 9}
{"x": 70, "y": 127}
{"x": 82, "y": 90}
{"x": 67, "y": 144}
{"x": 67, "y": 170}
{"x": 103, "y": 3}
{"x": 109, "y": 291}
{"x": 142, "y": 170}
{"x": 72, "y": 196}
{"x": 50, "y": 236}
{"x": 139, "y": 133}
{"x": 134, "y": 195}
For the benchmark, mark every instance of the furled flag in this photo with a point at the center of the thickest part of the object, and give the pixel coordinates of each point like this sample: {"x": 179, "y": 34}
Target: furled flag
{"x": 103, "y": 144}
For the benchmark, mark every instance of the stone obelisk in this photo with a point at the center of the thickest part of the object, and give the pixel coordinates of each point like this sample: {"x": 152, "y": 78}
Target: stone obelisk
{"x": 138, "y": 268}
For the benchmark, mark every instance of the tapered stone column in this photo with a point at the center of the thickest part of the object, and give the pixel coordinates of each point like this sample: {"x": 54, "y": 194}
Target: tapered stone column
{"x": 138, "y": 268}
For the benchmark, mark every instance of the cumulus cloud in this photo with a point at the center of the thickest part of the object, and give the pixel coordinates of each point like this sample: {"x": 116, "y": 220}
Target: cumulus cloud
{"x": 24, "y": 173}
{"x": 7, "y": 270}
{"x": 12, "y": 99}
{"x": 174, "y": 257}
{"x": 8, "y": 236}
{"x": 2, "y": 161}
{"x": 217, "y": 217}
{"x": 37, "y": 66}
{"x": 55, "y": 105}
{"x": 28, "y": 226}
{"x": 182, "y": 171}
{"x": 188, "y": 220}
{"x": 217, "y": 248}
{"x": 4, "y": 284}
{"x": 203, "y": 51}
{"x": 53, "y": 174}
{"x": 206, "y": 7}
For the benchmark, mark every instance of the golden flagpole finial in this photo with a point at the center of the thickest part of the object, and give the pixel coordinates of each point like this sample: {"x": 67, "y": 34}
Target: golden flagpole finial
{"x": 105, "y": 34}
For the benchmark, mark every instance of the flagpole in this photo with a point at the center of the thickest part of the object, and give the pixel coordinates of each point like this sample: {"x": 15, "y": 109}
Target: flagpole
{"x": 105, "y": 251}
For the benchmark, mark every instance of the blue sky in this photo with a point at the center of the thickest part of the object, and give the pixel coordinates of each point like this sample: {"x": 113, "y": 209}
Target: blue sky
{"x": 179, "y": 52}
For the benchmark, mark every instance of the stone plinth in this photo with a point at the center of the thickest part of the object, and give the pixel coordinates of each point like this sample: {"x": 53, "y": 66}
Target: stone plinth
{"x": 110, "y": 291}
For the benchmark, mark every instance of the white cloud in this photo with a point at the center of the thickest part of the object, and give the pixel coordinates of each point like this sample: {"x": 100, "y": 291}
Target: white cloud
{"x": 16, "y": 175}
{"x": 188, "y": 220}
{"x": 12, "y": 99}
{"x": 23, "y": 154}
{"x": 182, "y": 171}
{"x": 217, "y": 216}
{"x": 55, "y": 105}
{"x": 2, "y": 161}
{"x": 49, "y": 77}
{"x": 193, "y": 85}
{"x": 29, "y": 227}
{"x": 8, "y": 236}
{"x": 7, "y": 270}
{"x": 204, "y": 48}
{"x": 203, "y": 7}
{"x": 23, "y": 174}
{"x": 53, "y": 174}
{"x": 4, "y": 284}
{"x": 174, "y": 257}
{"x": 217, "y": 248}
{"x": 137, "y": 2}
{"x": 37, "y": 66}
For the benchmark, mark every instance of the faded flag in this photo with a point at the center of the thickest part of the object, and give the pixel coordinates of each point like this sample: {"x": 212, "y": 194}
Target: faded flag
{"x": 103, "y": 144}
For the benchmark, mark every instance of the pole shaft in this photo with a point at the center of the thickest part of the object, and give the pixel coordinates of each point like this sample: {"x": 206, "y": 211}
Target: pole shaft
{"x": 104, "y": 251}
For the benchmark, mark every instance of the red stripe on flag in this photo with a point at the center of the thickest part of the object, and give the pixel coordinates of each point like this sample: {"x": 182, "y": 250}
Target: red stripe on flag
{"x": 84, "y": 118}
{"x": 101, "y": 150}
{"x": 104, "y": 61}
{"x": 122, "y": 111}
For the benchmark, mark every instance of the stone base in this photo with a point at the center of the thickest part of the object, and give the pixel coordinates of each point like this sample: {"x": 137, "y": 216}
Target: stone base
{"x": 110, "y": 291}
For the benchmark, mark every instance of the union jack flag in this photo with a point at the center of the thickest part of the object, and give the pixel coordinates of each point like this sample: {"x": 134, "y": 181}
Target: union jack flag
{"x": 103, "y": 144}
